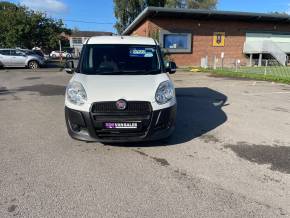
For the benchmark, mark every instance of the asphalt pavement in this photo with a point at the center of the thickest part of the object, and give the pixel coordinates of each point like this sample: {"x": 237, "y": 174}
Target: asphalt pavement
{"x": 229, "y": 155}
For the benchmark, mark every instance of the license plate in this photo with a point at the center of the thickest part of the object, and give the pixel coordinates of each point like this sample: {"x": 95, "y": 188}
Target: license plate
{"x": 122, "y": 125}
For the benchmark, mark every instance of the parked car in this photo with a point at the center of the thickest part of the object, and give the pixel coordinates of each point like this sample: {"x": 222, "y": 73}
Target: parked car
{"x": 18, "y": 58}
{"x": 57, "y": 54}
{"x": 120, "y": 91}
{"x": 33, "y": 52}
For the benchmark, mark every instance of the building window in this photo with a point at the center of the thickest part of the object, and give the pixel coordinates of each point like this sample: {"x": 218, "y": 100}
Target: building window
{"x": 174, "y": 42}
{"x": 77, "y": 41}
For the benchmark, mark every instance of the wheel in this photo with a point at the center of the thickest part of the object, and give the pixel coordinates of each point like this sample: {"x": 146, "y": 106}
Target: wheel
{"x": 68, "y": 56}
{"x": 33, "y": 65}
{"x": 53, "y": 56}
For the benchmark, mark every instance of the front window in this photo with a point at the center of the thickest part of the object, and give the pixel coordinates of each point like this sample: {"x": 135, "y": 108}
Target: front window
{"x": 120, "y": 60}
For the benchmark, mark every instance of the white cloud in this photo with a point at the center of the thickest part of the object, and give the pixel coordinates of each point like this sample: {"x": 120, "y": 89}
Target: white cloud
{"x": 48, "y": 6}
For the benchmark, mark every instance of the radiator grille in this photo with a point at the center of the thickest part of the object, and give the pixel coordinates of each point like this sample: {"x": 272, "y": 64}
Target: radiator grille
{"x": 132, "y": 107}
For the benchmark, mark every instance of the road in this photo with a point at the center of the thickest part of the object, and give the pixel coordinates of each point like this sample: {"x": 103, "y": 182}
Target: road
{"x": 229, "y": 155}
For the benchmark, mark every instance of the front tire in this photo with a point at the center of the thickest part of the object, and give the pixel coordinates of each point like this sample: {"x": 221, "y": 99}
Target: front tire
{"x": 33, "y": 65}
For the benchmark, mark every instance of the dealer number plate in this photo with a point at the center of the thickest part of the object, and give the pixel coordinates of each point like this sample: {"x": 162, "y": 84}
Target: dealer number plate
{"x": 121, "y": 125}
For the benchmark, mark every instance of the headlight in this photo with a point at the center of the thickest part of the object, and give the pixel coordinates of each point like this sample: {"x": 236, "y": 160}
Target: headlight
{"x": 76, "y": 93}
{"x": 165, "y": 92}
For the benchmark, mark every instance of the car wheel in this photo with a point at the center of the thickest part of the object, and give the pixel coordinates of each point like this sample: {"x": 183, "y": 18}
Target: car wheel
{"x": 53, "y": 56}
{"x": 33, "y": 65}
{"x": 68, "y": 56}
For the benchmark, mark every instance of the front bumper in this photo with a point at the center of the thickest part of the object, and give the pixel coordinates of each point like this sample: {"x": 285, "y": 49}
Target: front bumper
{"x": 85, "y": 126}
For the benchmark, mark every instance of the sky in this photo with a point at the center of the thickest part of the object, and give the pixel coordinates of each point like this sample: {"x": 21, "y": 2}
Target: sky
{"x": 98, "y": 15}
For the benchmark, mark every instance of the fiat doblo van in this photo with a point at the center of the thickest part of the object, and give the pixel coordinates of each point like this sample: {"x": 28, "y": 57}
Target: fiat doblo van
{"x": 120, "y": 91}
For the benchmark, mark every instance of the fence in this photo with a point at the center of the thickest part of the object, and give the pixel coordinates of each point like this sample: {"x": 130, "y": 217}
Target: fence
{"x": 267, "y": 67}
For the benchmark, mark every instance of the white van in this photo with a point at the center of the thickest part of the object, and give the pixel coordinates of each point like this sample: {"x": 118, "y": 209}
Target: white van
{"x": 120, "y": 91}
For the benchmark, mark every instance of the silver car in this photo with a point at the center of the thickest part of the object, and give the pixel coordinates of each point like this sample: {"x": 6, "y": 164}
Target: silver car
{"x": 18, "y": 58}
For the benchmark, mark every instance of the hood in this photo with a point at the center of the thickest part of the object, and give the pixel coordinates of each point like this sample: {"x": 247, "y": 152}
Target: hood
{"x": 115, "y": 87}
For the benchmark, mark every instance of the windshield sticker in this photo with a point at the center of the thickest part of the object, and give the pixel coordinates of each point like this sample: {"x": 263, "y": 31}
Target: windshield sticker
{"x": 141, "y": 52}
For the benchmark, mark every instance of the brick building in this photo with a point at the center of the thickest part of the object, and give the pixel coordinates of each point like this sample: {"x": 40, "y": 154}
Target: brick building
{"x": 188, "y": 35}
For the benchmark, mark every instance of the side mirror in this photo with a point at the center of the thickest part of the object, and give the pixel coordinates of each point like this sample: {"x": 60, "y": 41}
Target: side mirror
{"x": 69, "y": 67}
{"x": 171, "y": 67}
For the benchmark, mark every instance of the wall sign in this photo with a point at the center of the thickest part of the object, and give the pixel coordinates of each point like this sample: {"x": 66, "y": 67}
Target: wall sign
{"x": 219, "y": 39}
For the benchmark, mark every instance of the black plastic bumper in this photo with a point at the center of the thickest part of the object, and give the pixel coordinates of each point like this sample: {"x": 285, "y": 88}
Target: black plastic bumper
{"x": 84, "y": 126}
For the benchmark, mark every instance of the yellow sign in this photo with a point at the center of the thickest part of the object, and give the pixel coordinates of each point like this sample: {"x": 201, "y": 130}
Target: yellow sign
{"x": 219, "y": 39}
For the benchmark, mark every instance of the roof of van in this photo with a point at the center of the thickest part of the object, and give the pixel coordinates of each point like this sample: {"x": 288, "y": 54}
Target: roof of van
{"x": 124, "y": 40}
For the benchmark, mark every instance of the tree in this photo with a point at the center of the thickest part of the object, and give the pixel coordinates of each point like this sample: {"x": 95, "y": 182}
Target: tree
{"x": 21, "y": 27}
{"x": 279, "y": 13}
{"x": 7, "y": 6}
{"x": 176, "y": 4}
{"x": 127, "y": 10}
{"x": 157, "y": 3}
{"x": 203, "y": 4}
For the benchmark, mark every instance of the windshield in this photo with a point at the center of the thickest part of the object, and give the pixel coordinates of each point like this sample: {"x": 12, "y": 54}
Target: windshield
{"x": 120, "y": 60}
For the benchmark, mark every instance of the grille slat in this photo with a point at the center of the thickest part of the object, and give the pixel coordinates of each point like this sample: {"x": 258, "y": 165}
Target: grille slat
{"x": 132, "y": 107}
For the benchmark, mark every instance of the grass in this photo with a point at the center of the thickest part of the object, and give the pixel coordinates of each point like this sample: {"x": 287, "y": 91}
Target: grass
{"x": 274, "y": 74}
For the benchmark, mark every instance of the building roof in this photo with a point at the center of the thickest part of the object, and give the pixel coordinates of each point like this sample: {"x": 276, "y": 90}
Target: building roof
{"x": 89, "y": 33}
{"x": 204, "y": 14}
{"x": 124, "y": 40}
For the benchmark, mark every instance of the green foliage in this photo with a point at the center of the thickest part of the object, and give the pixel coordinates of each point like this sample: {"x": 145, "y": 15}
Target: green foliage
{"x": 203, "y": 4}
{"x": 279, "y": 13}
{"x": 248, "y": 75}
{"x": 155, "y": 35}
{"x": 156, "y": 3}
{"x": 4, "y": 5}
{"x": 21, "y": 27}
{"x": 127, "y": 10}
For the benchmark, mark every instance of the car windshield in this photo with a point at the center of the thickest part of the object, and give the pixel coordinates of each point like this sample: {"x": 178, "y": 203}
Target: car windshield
{"x": 120, "y": 60}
